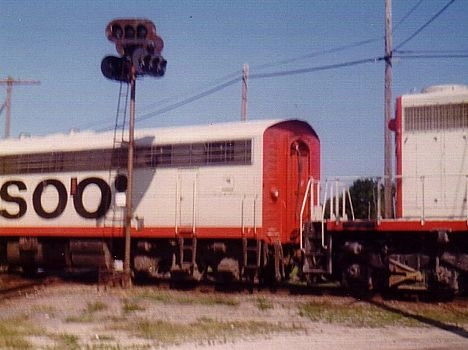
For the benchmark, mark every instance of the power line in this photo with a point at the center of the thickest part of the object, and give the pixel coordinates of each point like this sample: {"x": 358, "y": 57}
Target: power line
{"x": 317, "y": 53}
{"x": 315, "y": 69}
{"x": 188, "y": 100}
{"x": 195, "y": 90}
{"x": 338, "y": 48}
{"x": 410, "y": 56}
{"x": 447, "y": 52}
{"x": 420, "y": 29}
{"x": 408, "y": 14}
{"x": 255, "y": 76}
{"x": 183, "y": 102}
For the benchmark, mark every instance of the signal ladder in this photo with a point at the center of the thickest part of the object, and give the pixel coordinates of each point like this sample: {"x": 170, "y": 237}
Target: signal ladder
{"x": 116, "y": 218}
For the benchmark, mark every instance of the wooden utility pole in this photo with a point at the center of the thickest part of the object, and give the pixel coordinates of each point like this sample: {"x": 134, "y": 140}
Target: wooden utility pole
{"x": 245, "y": 77}
{"x": 9, "y": 82}
{"x": 388, "y": 111}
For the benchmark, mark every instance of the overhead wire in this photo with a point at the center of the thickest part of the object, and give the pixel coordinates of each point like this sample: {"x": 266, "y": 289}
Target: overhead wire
{"x": 408, "y": 14}
{"x": 420, "y": 29}
{"x": 316, "y": 54}
{"x": 210, "y": 84}
{"x": 176, "y": 105}
{"x": 315, "y": 69}
{"x": 410, "y": 56}
{"x": 339, "y": 48}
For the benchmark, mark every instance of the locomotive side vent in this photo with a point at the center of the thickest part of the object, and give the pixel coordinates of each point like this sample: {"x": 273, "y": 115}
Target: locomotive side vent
{"x": 436, "y": 117}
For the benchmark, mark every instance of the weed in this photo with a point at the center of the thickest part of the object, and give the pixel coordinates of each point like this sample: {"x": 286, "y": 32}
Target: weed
{"x": 88, "y": 313}
{"x": 203, "y": 330}
{"x": 364, "y": 315}
{"x": 95, "y": 307}
{"x": 200, "y": 299}
{"x": 263, "y": 304}
{"x": 68, "y": 341}
{"x": 129, "y": 306}
{"x": 13, "y": 333}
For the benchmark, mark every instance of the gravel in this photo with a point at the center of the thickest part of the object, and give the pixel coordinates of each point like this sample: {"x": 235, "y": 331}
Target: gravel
{"x": 78, "y": 316}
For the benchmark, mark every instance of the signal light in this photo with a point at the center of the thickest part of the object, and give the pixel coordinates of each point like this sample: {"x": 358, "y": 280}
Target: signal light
{"x": 116, "y": 31}
{"x": 142, "y": 32}
{"x": 117, "y": 68}
{"x": 145, "y": 62}
{"x": 129, "y": 32}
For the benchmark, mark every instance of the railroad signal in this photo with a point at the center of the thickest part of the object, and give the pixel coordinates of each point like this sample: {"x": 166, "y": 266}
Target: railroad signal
{"x": 146, "y": 62}
{"x": 117, "y": 68}
{"x": 139, "y": 48}
{"x": 130, "y": 34}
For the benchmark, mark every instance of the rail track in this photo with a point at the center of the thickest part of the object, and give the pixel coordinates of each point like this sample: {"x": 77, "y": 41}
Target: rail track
{"x": 17, "y": 285}
{"x": 14, "y": 285}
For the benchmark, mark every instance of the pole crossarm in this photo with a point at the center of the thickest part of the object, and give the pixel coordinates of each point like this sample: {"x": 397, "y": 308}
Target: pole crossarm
{"x": 9, "y": 82}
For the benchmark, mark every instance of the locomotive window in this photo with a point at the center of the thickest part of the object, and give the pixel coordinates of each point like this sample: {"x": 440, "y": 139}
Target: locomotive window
{"x": 161, "y": 156}
{"x": 198, "y": 154}
{"x": 181, "y": 155}
{"x": 233, "y": 152}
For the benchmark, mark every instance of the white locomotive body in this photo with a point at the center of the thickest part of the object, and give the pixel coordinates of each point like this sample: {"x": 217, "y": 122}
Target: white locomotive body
{"x": 219, "y": 182}
{"x": 432, "y": 153}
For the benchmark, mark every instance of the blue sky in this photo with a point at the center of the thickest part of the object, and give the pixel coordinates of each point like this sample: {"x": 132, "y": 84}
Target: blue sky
{"x": 62, "y": 43}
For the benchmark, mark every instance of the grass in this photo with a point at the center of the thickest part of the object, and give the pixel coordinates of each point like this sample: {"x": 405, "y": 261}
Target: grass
{"x": 67, "y": 341}
{"x": 383, "y": 315}
{"x": 190, "y": 299}
{"x": 88, "y": 314}
{"x": 263, "y": 303}
{"x": 129, "y": 306}
{"x": 356, "y": 315}
{"x": 202, "y": 331}
{"x": 13, "y": 333}
{"x": 95, "y": 307}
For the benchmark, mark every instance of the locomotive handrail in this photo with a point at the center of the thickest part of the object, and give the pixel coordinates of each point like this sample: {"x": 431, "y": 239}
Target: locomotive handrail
{"x": 243, "y": 214}
{"x": 314, "y": 198}
{"x": 423, "y": 204}
{"x": 466, "y": 197}
{"x": 304, "y": 202}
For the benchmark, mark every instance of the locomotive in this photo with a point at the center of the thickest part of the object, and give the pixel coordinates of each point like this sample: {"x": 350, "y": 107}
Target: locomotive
{"x": 244, "y": 201}
{"x": 216, "y": 198}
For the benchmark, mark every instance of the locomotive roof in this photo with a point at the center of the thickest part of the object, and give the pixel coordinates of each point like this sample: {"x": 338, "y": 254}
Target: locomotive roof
{"x": 438, "y": 93}
{"x": 165, "y": 135}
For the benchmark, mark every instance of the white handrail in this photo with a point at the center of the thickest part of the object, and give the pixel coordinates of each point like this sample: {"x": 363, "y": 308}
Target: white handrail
{"x": 466, "y": 197}
{"x": 304, "y": 202}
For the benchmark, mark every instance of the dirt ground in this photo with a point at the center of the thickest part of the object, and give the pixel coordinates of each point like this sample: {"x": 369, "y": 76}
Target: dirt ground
{"x": 78, "y": 316}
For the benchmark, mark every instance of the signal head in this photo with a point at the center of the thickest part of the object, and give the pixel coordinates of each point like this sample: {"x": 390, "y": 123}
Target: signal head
{"x": 117, "y": 68}
{"x": 130, "y": 33}
{"x": 146, "y": 62}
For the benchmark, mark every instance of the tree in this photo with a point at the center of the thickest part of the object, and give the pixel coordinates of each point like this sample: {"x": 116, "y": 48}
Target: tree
{"x": 364, "y": 193}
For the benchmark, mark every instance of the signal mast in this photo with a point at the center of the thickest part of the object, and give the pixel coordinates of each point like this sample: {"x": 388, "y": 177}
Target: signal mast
{"x": 140, "y": 49}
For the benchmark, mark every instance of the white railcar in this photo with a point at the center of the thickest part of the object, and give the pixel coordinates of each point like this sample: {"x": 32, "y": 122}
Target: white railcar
{"x": 214, "y": 182}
